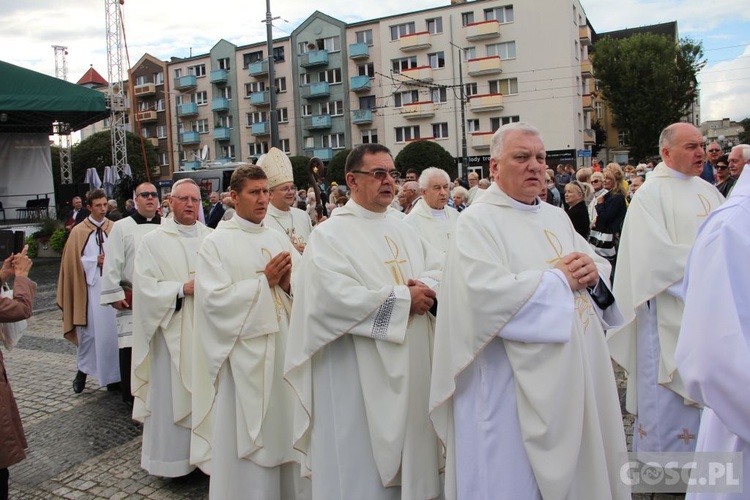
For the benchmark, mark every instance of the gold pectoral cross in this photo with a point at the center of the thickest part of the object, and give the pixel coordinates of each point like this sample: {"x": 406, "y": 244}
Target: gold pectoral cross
{"x": 706, "y": 206}
{"x": 395, "y": 263}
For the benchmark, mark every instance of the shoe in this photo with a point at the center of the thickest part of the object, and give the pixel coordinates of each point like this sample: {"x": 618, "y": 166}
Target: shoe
{"x": 79, "y": 383}
{"x": 115, "y": 387}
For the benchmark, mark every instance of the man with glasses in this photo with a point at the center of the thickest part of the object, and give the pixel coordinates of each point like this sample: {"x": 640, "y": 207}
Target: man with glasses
{"x": 117, "y": 277}
{"x": 163, "y": 334}
{"x": 282, "y": 216}
{"x": 359, "y": 354}
{"x": 713, "y": 152}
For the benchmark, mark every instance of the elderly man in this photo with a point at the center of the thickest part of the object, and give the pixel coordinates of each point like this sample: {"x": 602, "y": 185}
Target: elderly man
{"x": 713, "y": 152}
{"x": 713, "y": 351}
{"x": 657, "y": 235}
{"x": 359, "y": 355}
{"x": 78, "y": 214}
{"x": 215, "y": 210}
{"x": 433, "y": 220}
{"x": 86, "y": 323}
{"x": 738, "y": 158}
{"x": 473, "y": 186}
{"x": 242, "y": 409}
{"x": 282, "y": 217}
{"x": 163, "y": 334}
{"x": 636, "y": 184}
{"x": 525, "y": 398}
{"x": 408, "y": 196}
{"x": 117, "y": 277}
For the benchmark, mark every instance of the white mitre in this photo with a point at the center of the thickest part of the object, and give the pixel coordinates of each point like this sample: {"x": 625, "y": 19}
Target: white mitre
{"x": 277, "y": 166}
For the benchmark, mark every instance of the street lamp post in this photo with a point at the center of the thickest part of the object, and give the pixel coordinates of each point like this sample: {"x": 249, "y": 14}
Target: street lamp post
{"x": 273, "y": 117}
{"x": 464, "y": 154}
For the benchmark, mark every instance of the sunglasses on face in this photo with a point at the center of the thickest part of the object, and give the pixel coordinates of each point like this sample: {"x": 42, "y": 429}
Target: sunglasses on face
{"x": 722, "y": 167}
{"x": 148, "y": 194}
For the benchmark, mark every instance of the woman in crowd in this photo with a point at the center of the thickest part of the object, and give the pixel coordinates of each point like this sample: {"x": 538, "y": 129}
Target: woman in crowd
{"x": 575, "y": 193}
{"x": 597, "y": 185}
{"x": 460, "y": 195}
{"x": 610, "y": 214}
{"x": 724, "y": 182}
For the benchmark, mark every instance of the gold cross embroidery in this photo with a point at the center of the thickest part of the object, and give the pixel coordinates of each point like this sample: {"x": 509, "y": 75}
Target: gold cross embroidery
{"x": 706, "y": 206}
{"x": 686, "y": 436}
{"x": 556, "y": 245}
{"x": 395, "y": 263}
{"x": 584, "y": 309}
{"x": 276, "y": 299}
{"x": 641, "y": 431}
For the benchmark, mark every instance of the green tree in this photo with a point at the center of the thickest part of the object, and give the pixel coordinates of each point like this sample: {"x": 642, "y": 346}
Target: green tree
{"x": 422, "y": 154}
{"x": 601, "y": 137}
{"x": 649, "y": 81}
{"x": 300, "y": 171}
{"x": 744, "y": 136}
{"x": 335, "y": 168}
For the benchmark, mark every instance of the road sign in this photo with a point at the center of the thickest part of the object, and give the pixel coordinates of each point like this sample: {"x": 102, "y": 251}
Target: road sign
{"x": 584, "y": 153}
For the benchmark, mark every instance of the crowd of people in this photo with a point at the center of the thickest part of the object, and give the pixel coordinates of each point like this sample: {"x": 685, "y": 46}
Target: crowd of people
{"x": 421, "y": 338}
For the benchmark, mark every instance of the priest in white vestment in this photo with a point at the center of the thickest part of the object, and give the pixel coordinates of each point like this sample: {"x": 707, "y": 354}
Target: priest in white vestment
{"x": 657, "y": 236}
{"x": 163, "y": 333}
{"x": 242, "y": 408}
{"x": 360, "y": 349}
{"x": 713, "y": 351}
{"x": 431, "y": 217}
{"x": 86, "y": 323}
{"x": 282, "y": 216}
{"x": 523, "y": 393}
{"x": 117, "y": 278}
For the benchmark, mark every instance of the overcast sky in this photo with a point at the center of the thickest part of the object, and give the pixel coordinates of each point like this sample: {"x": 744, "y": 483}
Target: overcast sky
{"x": 166, "y": 28}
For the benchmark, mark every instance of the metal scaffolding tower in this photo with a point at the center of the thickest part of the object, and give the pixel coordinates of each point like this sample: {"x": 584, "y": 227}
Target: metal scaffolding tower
{"x": 116, "y": 93}
{"x": 62, "y": 130}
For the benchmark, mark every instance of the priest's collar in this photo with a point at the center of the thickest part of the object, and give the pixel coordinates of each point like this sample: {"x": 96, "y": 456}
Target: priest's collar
{"x": 189, "y": 231}
{"x": 275, "y": 212}
{"x": 139, "y": 219}
{"x": 496, "y": 196}
{"x": 97, "y": 223}
{"x": 662, "y": 170}
{"x": 353, "y": 207}
{"x": 245, "y": 224}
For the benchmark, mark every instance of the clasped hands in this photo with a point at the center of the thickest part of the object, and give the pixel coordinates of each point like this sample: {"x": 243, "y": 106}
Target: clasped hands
{"x": 422, "y": 297}
{"x": 579, "y": 269}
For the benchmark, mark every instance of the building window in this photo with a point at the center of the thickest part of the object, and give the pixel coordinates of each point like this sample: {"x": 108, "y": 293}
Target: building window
{"x": 496, "y": 123}
{"x": 251, "y": 88}
{"x": 307, "y": 110}
{"x": 304, "y": 79}
{"x": 197, "y": 70}
{"x": 367, "y": 69}
{"x": 280, "y": 84}
{"x": 440, "y": 130}
{"x": 335, "y": 108}
{"x": 159, "y": 78}
{"x": 226, "y": 92}
{"x": 467, "y": 18}
{"x": 224, "y": 121}
{"x": 435, "y": 26}
{"x": 334, "y": 141}
{"x": 161, "y": 131}
{"x": 330, "y": 44}
{"x": 160, "y": 105}
{"x": 178, "y": 72}
{"x": 506, "y": 86}
{"x": 623, "y": 137}
{"x": 330, "y": 76}
{"x": 598, "y": 109}
{"x": 472, "y": 125}
{"x": 141, "y": 80}
{"x": 404, "y": 134}
{"x": 284, "y": 145}
{"x": 470, "y": 53}
{"x": 251, "y": 57}
{"x": 283, "y": 114}
{"x": 178, "y": 100}
{"x": 437, "y": 60}
{"x": 224, "y": 64}
{"x": 278, "y": 54}
{"x": 257, "y": 117}
{"x": 500, "y": 14}
{"x": 364, "y": 37}
{"x": 143, "y": 106}
{"x": 400, "y": 30}
{"x": 257, "y": 148}
{"x": 439, "y": 94}
{"x": 164, "y": 158}
{"x": 201, "y": 98}
{"x": 309, "y": 142}
{"x": 145, "y": 133}
{"x": 399, "y": 65}
{"x": 227, "y": 151}
{"x": 367, "y": 102}
{"x": 506, "y": 50}
{"x": 470, "y": 89}
{"x": 408, "y": 97}
{"x": 201, "y": 126}
{"x": 370, "y": 136}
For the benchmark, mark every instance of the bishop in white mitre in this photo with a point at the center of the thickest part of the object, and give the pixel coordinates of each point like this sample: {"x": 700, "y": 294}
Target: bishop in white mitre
{"x": 657, "y": 236}
{"x": 242, "y": 408}
{"x": 431, "y": 217}
{"x": 163, "y": 334}
{"x": 523, "y": 393}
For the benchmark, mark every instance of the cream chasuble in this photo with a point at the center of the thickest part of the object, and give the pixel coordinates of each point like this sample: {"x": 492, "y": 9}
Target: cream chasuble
{"x": 524, "y": 366}
{"x": 438, "y": 233}
{"x": 295, "y": 224}
{"x": 713, "y": 351}
{"x": 243, "y": 328}
{"x": 359, "y": 360}
{"x": 658, "y": 233}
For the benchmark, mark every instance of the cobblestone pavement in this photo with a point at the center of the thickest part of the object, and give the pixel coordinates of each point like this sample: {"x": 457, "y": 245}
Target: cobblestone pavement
{"x": 86, "y": 446}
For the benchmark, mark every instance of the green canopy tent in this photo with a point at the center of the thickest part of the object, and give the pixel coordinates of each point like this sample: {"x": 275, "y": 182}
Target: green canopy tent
{"x": 30, "y": 102}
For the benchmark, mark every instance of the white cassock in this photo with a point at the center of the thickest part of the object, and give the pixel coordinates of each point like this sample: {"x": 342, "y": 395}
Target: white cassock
{"x": 97, "y": 341}
{"x": 118, "y": 268}
{"x": 295, "y": 224}
{"x": 658, "y": 233}
{"x": 360, "y": 363}
{"x": 713, "y": 351}
{"x": 242, "y": 408}
{"x": 435, "y": 226}
{"x": 524, "y": 398}
{"x": 163, "y": 345}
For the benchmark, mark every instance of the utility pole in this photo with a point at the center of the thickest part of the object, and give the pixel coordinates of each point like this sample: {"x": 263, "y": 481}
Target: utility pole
{"x": 273, "y": 118}
{"x": 62, "y": 130}
{"x": 464, "y": 154}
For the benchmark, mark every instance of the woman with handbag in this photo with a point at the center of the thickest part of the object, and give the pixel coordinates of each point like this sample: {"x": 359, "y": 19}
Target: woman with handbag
{"x": 610, "y": 214}
{"x": 11, "y": 310}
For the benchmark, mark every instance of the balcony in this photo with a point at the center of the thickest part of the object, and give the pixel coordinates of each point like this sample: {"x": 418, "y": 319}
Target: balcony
{"x": 316, "y": 122}
{"x": 362, "y": 116}
{"x": 324, "y": 154}
{"x": 359, "y": 51}
{"x": 190, "y": 137}
{"x": 145, "y": 116}
{"x": 153, "y": 141}
{"x": 220, "y": 104}
{"x": 587, "y": 70}
{"x": 360, "y": 83}
{"x": 485, "y": 66}
{"x": 420, "y": 74}
{"x": 316, "y": 90}
{"x": 484, "y": 30}
{"x": 192, "y": 165}
{"x": 222, "y": 133}
{"x": 185, "y": 82}
{"x": 187, "y": 109}
{"x": 218, "y": 76}
{"x": 481, "y": 140}
{"x": 416, "y": 41}
{"x": 417, "y": 110}
{"x": 481, "y": 103}
{"x": 588, "y": 102}
{"x": 589, "y": 136}
{"x": 584, "y": 34}
{"x": 260, "y": 128}
{"x": 314, "y": 58}
{"x": 144, "y": 90}
{"x": 262, "y": 98}
{"x": 258, "y": 69}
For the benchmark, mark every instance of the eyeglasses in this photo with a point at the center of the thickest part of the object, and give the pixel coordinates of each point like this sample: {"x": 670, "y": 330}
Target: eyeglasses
{"x": 185, "y": 199}
{"x": 379, "y": 173}
{"x": 595, "y": 181}
{"x": 714, "y": 150}
{"x": 722, "y": 167}
{"x": 148, "y": 194}
{"x": 286, "y": 189}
